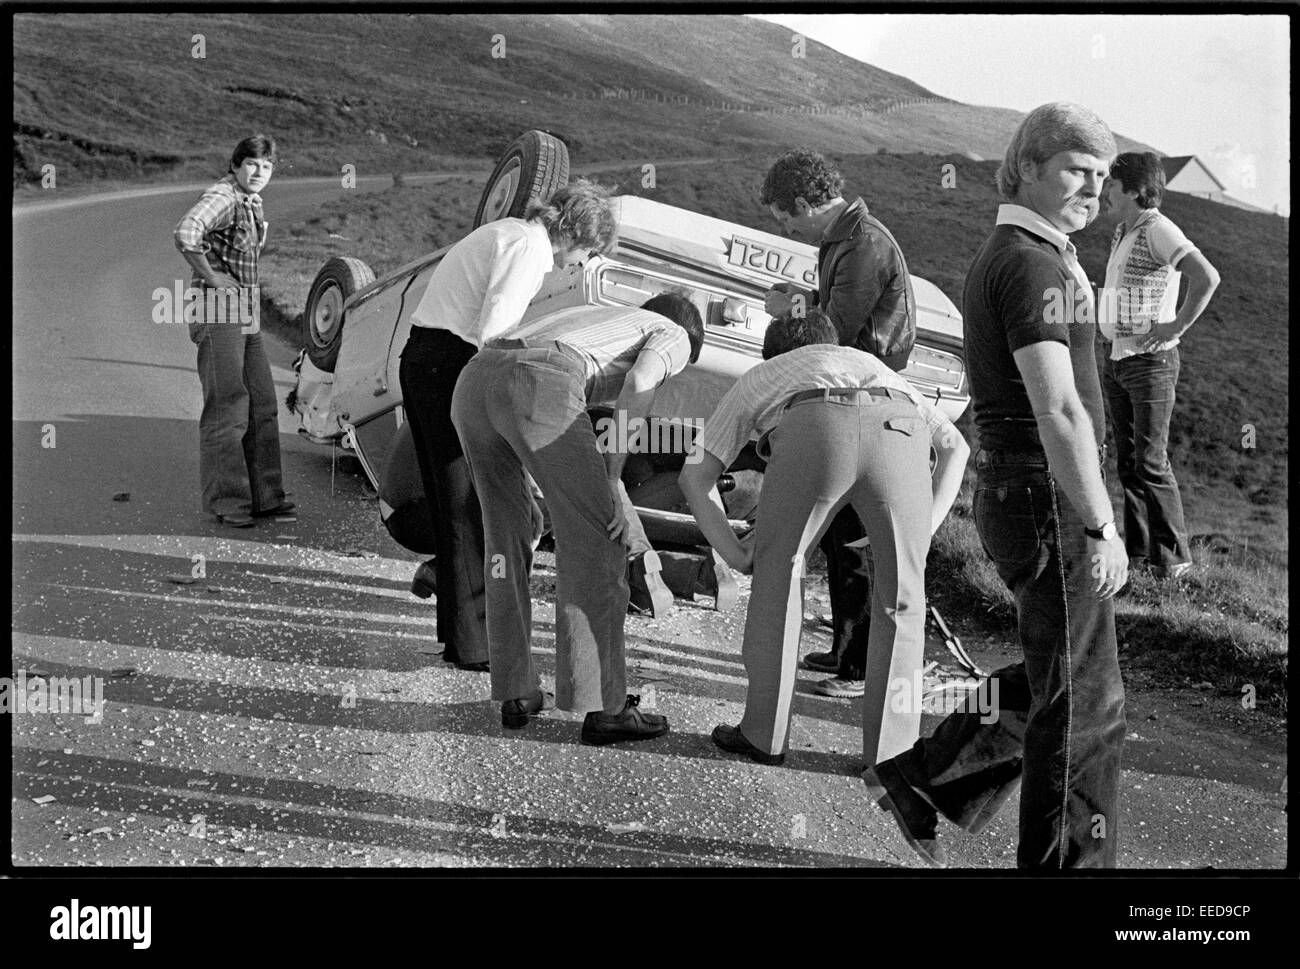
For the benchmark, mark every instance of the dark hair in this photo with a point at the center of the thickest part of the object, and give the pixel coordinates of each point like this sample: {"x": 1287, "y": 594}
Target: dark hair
{"x": 800, "y": 174}
{"x": 790, "y": 332}
{"x": 1142, "y": 172}
{"x": 681, "y": 311}
{"x": 579, "y": 215}
{"x": 255, "y": 146}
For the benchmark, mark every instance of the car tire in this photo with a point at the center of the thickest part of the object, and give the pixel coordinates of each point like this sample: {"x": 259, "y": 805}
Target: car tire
{"x": 322, "y": 320}
{"x": 532, "y": 169}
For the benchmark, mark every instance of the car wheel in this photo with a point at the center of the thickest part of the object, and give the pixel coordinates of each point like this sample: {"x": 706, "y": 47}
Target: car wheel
{"x": 322, "y": 321}
{"x": 532, "y": 169}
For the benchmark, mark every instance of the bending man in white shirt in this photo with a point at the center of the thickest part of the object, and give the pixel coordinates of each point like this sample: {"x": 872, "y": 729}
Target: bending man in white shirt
{"x": 479, "y": 290}
{"x": 839, "y": 428}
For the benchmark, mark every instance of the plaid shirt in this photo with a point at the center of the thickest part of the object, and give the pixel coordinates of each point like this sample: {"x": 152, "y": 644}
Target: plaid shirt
{"x": 227, "y": 225}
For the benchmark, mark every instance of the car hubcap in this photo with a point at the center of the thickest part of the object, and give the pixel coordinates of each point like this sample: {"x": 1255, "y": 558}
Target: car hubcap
{"x": 328, "y": 312}
{"x": 502, "y": 192}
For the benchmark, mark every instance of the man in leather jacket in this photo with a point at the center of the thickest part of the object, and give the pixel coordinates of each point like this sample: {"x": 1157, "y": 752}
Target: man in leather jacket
{"x": 864, "y": 286}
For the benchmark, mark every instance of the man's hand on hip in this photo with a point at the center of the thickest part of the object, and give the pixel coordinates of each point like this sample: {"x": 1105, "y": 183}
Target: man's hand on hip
{"x": 222, "y": 281}
{"x": 1160, "y": 333}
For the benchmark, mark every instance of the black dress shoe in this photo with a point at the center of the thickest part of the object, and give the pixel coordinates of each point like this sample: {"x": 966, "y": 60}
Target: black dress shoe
{"x": 480, "y": 667}
{"x": 239, "y": 519}
{"x": 646, "y": 590}
{"x": 628, "y": 724}
{"x": 516, "y": 713}
{"x": 732, "y": 740}
{"x": 916, "y": 817}
{"x": 425, "y": 581}
{"x": 716, "y": 580}
{"x": 822, "y": 663}
{"x": 284, "y": 508}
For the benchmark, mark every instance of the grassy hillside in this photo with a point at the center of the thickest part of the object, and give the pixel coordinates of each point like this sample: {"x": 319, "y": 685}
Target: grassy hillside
{"x": 1228, "y": 624}
{"x": 120, "y": 96}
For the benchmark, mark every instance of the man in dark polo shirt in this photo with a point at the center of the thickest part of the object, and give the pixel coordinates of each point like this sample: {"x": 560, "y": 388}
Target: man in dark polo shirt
{"x": 864, "y": 287}
{"x": 1045, "y": 520}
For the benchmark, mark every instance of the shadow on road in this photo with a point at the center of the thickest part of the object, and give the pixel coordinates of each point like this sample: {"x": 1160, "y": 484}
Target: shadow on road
{"x": 409, "y": 823}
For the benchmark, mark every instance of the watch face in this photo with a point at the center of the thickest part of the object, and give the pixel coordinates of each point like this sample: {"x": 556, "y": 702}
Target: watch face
{"x": 1109, "y": 532}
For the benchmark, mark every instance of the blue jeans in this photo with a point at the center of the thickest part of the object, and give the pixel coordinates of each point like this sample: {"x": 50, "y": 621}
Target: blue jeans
{"x": 1140, "y": 398}
{"x": 239, "y": 431}
{"x": 1059, "y": 725}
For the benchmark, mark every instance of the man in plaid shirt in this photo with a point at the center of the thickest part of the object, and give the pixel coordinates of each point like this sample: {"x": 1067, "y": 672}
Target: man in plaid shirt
{"x": 239, "y": 443}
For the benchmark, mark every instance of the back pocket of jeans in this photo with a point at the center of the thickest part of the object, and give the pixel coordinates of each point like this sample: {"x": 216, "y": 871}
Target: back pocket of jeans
{"x": 904, "y": 425}
{"x": 1006, "y": 519}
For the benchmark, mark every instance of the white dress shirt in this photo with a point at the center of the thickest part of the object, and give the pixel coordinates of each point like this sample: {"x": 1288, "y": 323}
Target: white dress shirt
{"x": 481, "y": 287}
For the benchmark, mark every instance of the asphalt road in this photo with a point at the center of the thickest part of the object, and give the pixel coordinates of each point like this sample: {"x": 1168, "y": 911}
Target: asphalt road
{"x": 289, "y": 707}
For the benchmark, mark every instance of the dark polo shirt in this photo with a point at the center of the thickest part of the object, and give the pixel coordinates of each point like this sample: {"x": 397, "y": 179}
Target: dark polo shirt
{"x": 1021, "y": 290}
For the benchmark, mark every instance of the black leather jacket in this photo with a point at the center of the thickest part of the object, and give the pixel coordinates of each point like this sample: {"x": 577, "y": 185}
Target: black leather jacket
{"x": 864, "y": 285}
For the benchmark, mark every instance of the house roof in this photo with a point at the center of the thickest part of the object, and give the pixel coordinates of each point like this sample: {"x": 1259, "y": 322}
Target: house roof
{"x": 1176, "y": 163}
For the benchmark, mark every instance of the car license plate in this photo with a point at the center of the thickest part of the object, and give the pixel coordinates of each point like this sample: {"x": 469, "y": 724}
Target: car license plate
{"x": 771, "y": 261}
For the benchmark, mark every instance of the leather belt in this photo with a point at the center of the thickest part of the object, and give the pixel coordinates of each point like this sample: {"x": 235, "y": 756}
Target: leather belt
{"x": 826, "y": 393}
{"x": 526, "y": 345}
{"x": 1022, "y": 459}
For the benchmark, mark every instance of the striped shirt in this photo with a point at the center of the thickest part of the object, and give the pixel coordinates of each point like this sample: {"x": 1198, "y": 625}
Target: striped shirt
{"x": 609, "y": 340}
{"x": 1141, "y": 282}
{"x": 481, "y": 287}
{"x": 756, "y": 402}
{"x": 227, "y": 225}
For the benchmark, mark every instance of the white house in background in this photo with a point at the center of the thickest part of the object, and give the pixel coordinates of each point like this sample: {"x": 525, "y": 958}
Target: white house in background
{"x": 1188, "y": 174}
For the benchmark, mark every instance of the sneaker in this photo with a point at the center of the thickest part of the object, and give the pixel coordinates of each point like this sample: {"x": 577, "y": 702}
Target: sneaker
{"x": 1171, "y": 572}
{"x": 628, "y": 724}
{"x": 917, "y": 819}
{"x": 821, "y": 662}
{"x": 838, "y": 686}
{"x": 646, "y": 590}
{"x": 239, "y": 519}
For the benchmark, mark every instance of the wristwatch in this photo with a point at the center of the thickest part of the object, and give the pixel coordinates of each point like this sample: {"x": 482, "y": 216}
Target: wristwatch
{"x": 1106, "y": 533}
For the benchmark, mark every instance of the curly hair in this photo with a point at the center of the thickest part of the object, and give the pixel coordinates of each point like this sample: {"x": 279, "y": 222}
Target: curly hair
{"x": 1142, "y": 172}
{"x": 790, "y": 332}
{"x": 800, "y": 174}
{"x": 579, "y": 215}
{"x": 1048, "y": 130}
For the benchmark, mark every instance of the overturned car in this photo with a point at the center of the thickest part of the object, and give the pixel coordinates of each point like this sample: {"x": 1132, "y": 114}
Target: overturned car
{"x": 355, "y": 327}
